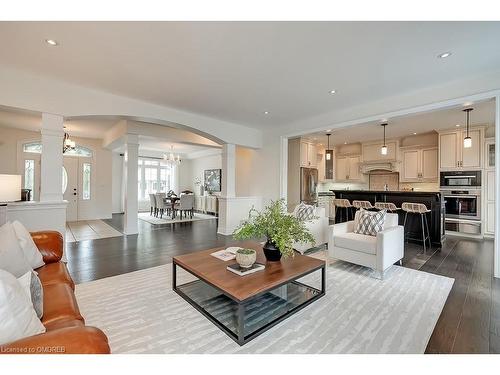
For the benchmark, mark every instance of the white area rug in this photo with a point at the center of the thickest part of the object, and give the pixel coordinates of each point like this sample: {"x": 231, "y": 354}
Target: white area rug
{"x": 140, "y": 313}
{"x": 168, "y": 220}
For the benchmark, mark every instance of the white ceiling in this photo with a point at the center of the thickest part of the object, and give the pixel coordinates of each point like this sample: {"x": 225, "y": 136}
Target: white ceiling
{"x": 94, "y": 127}
{"x": 163, "y": 146}
{"x": 398, "y": 127}
{"x": 237, "y": 70}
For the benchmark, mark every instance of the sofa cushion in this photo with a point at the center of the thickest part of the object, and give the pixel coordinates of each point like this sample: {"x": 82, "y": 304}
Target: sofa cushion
{"x": 29, "y": 248}
{"x": 17, "y": 316}
{"x": 370, "y": 222}
{"x": 33, "y": 287}
{"x": 59, "y": 304}
{"x": 55, "y": 273}
{"x": 357, "y": 242}
{"x": 63, "y": 323}
{"x": 12, "y": 258}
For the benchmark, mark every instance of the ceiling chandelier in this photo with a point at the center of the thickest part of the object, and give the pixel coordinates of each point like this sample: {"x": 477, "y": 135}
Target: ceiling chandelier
{"x": 383, "y": 150}
{"x": 171, "y": 158}
{"x": 68, "y": 143}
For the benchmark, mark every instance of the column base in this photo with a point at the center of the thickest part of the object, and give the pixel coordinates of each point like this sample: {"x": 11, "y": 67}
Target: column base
{"x": 233, "y": 210}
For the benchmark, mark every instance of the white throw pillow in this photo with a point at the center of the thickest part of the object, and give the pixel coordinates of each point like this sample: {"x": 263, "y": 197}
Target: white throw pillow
{"x": 17, "y": 316}
{"x": 12, "y": 258}
{"x": 31, "y": 253}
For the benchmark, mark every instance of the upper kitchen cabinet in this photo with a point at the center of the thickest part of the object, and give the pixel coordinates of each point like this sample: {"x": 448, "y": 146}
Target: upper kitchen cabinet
{"x": 453, "y": 154}
{"x": 371, "y": 151}
{"x": 347, "y": 168}
{"x": 308, "y": 154}
{"x": 419, "y": 165}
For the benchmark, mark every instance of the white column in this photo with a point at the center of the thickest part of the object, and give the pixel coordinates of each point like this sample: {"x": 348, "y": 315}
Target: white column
{"x": 497, "y": 189}
{"x": 228, "y": 171}
{"x": 52, "y": 158}
{"x": 130, "y": 177}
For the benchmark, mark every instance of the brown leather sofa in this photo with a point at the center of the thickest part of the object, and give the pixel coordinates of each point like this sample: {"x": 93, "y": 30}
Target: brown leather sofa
{"x": 65, "y": 327}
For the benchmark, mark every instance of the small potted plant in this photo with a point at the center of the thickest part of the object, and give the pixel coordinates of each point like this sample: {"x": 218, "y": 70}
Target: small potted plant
{"x": 246, "y": 257}
{"x": 279, "y": 228}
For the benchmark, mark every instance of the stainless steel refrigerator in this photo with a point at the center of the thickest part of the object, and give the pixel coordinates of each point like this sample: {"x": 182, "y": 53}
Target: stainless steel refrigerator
{"x": 309, "y": 185}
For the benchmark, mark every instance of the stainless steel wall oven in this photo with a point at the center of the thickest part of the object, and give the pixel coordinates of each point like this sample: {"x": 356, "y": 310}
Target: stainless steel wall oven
{"x": 461, "y": 194}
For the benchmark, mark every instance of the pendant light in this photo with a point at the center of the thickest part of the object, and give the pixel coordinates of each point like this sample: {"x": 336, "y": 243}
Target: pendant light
{"x": 467, "y": 139}
{"x": 383, "y": 150}
{"x": 328, "y": 152}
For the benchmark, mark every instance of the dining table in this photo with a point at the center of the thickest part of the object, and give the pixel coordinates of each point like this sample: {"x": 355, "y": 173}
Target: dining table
{"x": 171, "y": 201}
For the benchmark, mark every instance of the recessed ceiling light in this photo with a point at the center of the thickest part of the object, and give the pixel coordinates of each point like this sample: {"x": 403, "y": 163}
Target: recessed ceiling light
{"x": 345, "y": 142}
{"x": 52, "y": 42}
{"x": 332, "y": 91}
{"x": 457, "y": 125}
{"x": 266, "y": 112}
{"x": 414, "y": 133}
{"x": 444, "y": 55}
{"x": 328, "y": 130}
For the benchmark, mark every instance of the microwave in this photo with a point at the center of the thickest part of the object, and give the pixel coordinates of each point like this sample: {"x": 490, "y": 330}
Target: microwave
{"x": 460, "y": 179}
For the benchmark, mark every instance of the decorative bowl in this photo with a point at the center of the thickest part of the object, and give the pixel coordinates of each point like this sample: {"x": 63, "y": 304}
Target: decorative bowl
{"x": 246, "y": 257}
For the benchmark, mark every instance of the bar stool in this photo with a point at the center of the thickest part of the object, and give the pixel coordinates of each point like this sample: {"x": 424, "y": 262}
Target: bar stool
{"x": 390, "y": 207}
{"x": 362, "y": 204}
{"x": 342, "y": 203}
{"x": 422, "y": 210}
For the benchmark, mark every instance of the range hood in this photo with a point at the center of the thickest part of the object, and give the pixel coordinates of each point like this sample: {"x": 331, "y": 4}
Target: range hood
{"x": 389, "y": 166}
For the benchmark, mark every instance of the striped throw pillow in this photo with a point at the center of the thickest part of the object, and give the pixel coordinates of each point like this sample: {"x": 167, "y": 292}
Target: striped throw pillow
{"x": 370, "y": 222}
{"x": 305, "y": 212}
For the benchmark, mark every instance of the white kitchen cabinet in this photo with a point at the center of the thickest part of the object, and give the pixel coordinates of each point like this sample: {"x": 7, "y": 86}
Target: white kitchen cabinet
{"x": 308, "y": 154}
{"x": 429, "y": 159}
{"x": 489, "y": 202}
{"x": 347, "y": 168}
{"x": 411, "y": 165}
{"x": 489, "y": 157}
{"x": 453, "y": 154}
{"x": 420, "y": 165}
{"x": 490, "y": 219}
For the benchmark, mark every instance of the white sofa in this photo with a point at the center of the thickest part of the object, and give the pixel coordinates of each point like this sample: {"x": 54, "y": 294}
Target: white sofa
{"x": 378, "y": 253}
{"x": 318, "y": 228}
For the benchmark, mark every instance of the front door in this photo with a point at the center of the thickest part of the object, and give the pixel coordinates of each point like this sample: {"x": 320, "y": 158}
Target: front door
{"x": 70, "y": 187}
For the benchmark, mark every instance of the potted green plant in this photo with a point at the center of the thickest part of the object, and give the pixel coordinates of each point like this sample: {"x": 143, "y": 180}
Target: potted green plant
{"x": 279, "y": 227}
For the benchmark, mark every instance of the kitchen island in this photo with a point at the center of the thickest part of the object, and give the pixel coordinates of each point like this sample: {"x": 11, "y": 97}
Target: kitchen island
{"x": 413, "y": 225}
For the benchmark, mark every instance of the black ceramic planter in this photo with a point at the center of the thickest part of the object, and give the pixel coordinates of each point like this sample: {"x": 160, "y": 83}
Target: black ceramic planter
{"x": 271, "y": 252}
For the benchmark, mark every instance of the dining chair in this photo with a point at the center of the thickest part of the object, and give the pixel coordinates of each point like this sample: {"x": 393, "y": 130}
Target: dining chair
{"x": 152, "y": 203}
{"x": 186, "y": 205}
{"x": 160, "y": 204}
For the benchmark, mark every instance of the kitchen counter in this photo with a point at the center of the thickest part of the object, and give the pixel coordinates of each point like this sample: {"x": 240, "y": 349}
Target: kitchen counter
{"x": 432, "y": 199}
{"x": 390, "y": 192}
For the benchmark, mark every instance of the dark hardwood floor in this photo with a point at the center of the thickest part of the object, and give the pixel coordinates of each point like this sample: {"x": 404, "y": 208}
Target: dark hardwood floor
{"x": 469, "y": 322}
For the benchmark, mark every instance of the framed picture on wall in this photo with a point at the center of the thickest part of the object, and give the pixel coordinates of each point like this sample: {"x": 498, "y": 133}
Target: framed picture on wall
{"x": 213, "y": 180}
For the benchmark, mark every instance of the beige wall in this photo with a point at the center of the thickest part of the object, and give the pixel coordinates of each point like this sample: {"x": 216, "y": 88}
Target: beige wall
{"x": 9, "y": 139}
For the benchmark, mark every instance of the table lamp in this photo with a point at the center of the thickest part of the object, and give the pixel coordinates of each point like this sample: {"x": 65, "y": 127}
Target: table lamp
{"x": 10, "y": 191}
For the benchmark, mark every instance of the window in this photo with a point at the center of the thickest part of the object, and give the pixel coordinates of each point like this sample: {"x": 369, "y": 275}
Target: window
{"x": 154, "y": 176}
{"x": 86, "y": 170}
{"x": 36, "y": 147}
{"x": 29, "y": 176}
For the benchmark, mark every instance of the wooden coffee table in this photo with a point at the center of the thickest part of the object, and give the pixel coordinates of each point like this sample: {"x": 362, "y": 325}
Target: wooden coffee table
{"x": 246, "y": 306}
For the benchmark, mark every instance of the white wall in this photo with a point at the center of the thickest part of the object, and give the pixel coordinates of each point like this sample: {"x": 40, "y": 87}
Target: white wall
{"x": 196, "y": 169}
{"x": 116, "y": 183}
{"x": 101, "y": 187}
